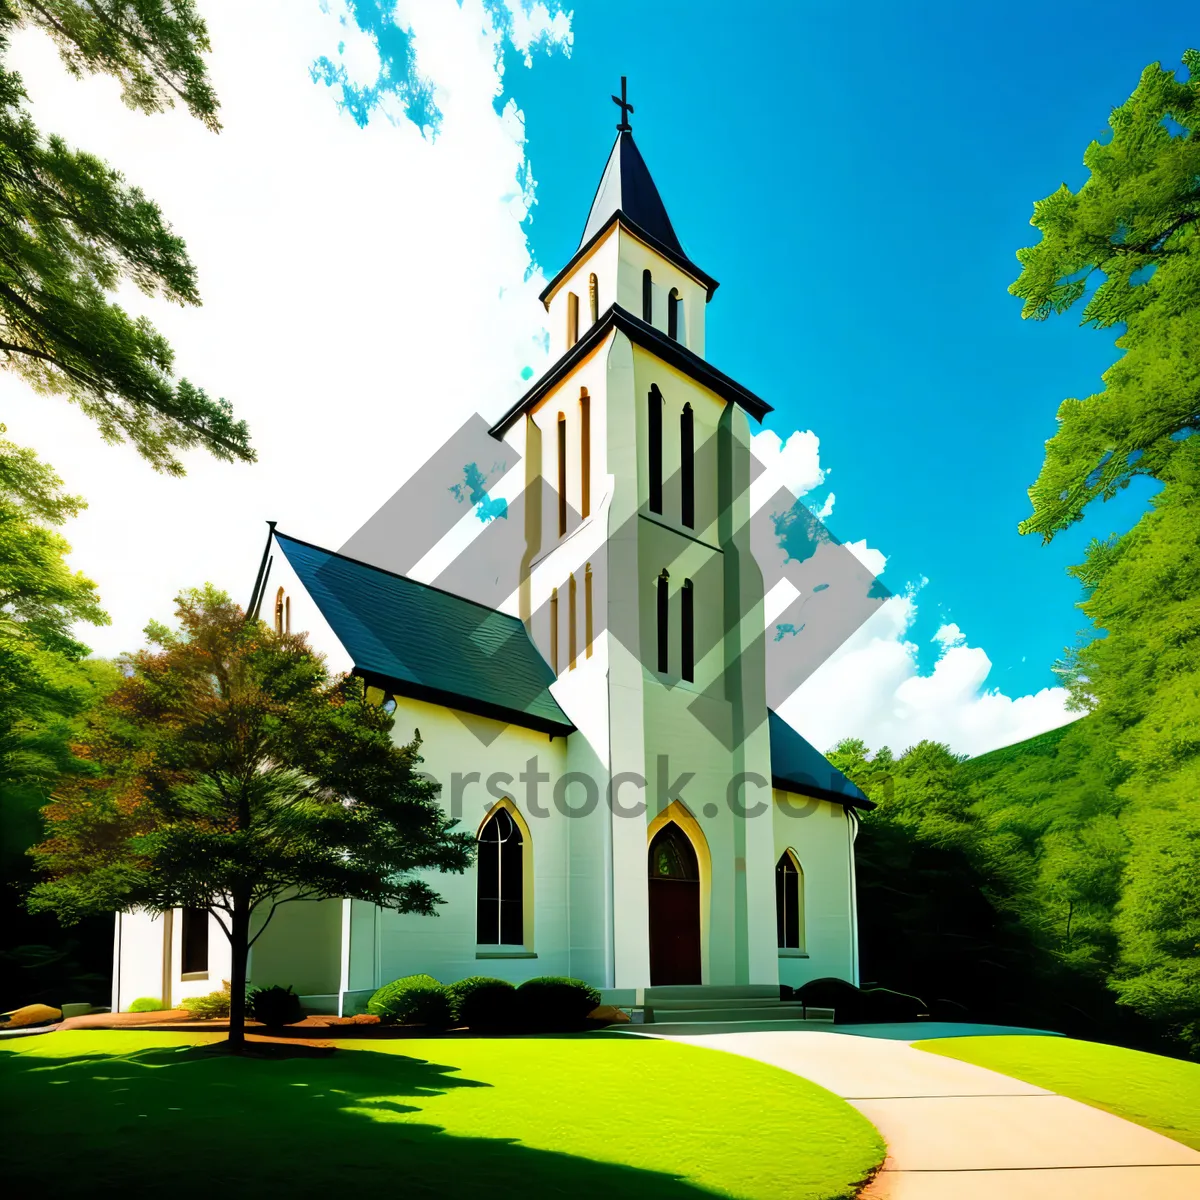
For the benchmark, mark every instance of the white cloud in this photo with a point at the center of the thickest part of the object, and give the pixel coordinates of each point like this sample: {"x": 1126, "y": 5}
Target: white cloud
{"x": 872, "y": 687}
{"x": 364, "y": 289}
{"x": 794, "y": 464}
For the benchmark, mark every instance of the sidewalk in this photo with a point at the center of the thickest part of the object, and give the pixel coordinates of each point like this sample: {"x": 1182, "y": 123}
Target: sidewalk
{"x": 956, "y": 1130}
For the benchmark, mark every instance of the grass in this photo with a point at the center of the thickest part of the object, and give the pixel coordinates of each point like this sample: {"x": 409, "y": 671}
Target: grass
{"x": 1162, "y": 1094}
{"x": 99, "y": 1112}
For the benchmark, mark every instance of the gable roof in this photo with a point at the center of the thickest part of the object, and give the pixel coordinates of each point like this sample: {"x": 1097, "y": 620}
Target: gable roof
{"x": 649, "y": 338}
{"x": 416, "y": 640}
{"x": 798, "y": 766}
{"x": 627, "y": 194}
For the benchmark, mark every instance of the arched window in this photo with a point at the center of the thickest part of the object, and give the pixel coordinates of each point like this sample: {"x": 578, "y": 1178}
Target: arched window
{"x": 655, "y": 446}
{"x": 554, "y": 630}
{"x": 647, "y": 297}
{"x": 663, "y": 622}
{"x": 594, "y": 297}
{"x": 572, "y": 651}
{"x": 572, "y": 319}
{"x": 789, "y": 902}
{"x": 585, "y": 452}
{"x": 674, "y": 309}
{"x": 500, "y": 884}
{"x": 687, "y": 632}
{"x": 587, "y": 610}
{"x": 282, "y": 612}
{"x": 562, "y": 474}
{"x": 687, "y": 467}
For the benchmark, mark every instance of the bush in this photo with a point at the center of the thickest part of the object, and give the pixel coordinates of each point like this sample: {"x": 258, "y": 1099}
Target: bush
{"x": 274, "y": 1005}
{"x": 147, "y": 1004}
{"x": 413, "y": 1000}
{"x": 480, "y": 1002}
{"x": 553, "y": 1003}
{"x": 858, "y": 1006}
{"x": 212, "y": 1007}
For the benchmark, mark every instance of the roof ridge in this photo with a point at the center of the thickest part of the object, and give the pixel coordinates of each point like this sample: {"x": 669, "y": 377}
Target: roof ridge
{"x": 432, "y": 587}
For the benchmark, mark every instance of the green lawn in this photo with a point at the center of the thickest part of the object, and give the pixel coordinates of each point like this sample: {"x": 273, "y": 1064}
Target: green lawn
{"x": 124, "y": 1113}
{"x": 1161, "y": 1093}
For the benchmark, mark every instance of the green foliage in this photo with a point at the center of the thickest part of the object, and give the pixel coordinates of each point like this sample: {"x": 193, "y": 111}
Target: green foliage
{"x": 146, "y": 1004}
{"x": 274, "y": 1005}
{"x": 1133, "y": 225}
{"x": 233, "y": 774}
{"x": 413, "y": 1000}
{"x": 72, "y": 232}
{"x": 214, "y": 1006}
{"x": 483, "y": 1003}
{"x": 552, "y": 1002}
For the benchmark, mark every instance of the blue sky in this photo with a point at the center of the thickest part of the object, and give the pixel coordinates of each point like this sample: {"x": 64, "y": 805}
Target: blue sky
{"x": 859, "y": 179}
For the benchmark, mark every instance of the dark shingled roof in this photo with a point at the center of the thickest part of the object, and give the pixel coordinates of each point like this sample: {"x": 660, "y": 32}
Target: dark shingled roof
{"x": 798, "y": 766}
{"x": 417, "y": 640}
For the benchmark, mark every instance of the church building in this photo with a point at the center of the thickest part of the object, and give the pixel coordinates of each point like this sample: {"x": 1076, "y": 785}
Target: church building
{"x": 601, "y": 725}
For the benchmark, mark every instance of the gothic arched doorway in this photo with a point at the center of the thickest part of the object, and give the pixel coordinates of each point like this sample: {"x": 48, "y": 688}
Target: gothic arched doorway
{"x": 674, "y": 908}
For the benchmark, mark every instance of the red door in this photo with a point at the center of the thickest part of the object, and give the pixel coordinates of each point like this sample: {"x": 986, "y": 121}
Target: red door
{"x": 674, "y": 908}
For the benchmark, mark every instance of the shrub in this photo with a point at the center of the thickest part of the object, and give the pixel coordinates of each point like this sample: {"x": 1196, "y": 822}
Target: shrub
{"x": 147, "y": 1004}
{"x": 480, "y": 1002}
{"x": 413, "y": 1000}
{"x": 212, "y": 1007}
{"x": 275, "y": 1005}
{"x": 554, "y": 1003}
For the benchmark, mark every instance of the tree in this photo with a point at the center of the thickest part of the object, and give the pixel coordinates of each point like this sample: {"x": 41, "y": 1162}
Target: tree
{"x": 72, "y": 230}
{"x": 235, "y": 776}
{"x": 1135, "y": 225}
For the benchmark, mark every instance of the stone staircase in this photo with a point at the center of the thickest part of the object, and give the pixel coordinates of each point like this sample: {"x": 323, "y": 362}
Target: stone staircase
{"x": 708, "y": 1008}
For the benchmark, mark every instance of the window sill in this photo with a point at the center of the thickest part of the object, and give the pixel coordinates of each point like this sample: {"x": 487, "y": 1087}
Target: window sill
{"x": 500, "y": 952}
{"x": 190, "y": 976}
{"x": 788, "y": 952}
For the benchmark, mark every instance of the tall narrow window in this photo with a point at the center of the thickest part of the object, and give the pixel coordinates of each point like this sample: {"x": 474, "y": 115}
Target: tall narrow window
{"x": 572, "y": 319}
{"x": 687, "y": 632}
{"x": 279, "y": 611}
{"x": 647, "y": 297}
{"x": 554, "y": 630}
{"x": 654, "y": 438}
{"x": 572, "y": 645}
{"x": 195, "y": 941}
{"x": 500, "y": 910}
{"x": 789, "y": 902}
{"x": 663, "y": 599}
{"x": 287, "y": 614}
{"x": 585, "y": 453}
{"x": 562, "y": 474}
{"x": 587, "y": 610}
{"x": 674, "y": 307}
{"x": 687, "y": 467}
{"x": 594, "y": 297}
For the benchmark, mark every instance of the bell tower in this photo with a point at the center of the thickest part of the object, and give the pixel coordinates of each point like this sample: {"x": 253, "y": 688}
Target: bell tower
{"x": 639, "y": 588}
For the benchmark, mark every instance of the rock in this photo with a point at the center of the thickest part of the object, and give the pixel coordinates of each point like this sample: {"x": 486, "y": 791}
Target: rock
{"x": 609, "y": 1013}
{"x": 31, "y": 1014}
{"x": 76, "y": 1010}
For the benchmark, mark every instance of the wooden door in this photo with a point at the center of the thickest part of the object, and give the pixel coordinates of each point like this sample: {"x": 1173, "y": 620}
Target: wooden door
{"x": 674, "y": 879}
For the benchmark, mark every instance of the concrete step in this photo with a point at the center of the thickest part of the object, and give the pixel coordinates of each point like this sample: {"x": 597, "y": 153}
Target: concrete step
{"x": 694, "y": 1002}
{"x": 727, "y": 1012}
{"x": 710, "y": 991}
{"x": 683, "y": 1028}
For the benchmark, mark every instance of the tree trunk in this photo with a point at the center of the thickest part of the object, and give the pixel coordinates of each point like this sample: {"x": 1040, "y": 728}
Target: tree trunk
{"x": 239, "y": 945}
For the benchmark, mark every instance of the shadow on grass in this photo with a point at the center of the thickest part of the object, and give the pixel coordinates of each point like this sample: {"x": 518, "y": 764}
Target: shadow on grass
{"x": 185, "y": 1122}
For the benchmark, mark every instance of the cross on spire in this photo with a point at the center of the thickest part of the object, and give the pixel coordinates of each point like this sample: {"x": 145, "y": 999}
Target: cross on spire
{"x": 625, "y": 107}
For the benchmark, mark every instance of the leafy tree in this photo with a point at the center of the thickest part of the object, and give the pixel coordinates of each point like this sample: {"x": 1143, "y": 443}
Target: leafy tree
{"x": 72, "y": 231}
{"x": 237, "y": 776}
{"x": 1135, "y": 225}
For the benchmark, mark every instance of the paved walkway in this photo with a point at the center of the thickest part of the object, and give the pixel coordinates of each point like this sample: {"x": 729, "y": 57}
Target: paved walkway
{"x": 955, "y": 1130}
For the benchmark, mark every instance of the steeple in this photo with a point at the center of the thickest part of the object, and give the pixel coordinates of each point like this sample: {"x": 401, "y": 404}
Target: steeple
{"x": 627, "y": 196}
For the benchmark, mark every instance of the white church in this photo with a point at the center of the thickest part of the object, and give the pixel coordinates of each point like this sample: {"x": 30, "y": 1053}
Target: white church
{"x": 643, "y": 820}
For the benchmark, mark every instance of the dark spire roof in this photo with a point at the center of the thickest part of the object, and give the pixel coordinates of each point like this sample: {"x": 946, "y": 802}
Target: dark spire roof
{"x": 627, "y": 193}
{"x": 626, "y": 187}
